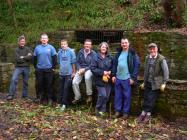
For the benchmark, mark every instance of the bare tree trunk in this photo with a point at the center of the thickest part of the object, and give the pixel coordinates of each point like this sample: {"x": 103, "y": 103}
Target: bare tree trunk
{"x": 10, "y": 4}
{"x": 173, "y": 10}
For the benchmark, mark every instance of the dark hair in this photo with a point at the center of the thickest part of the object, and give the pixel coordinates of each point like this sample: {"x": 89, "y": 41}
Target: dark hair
{"x": 88, "y": 40}
{"x": 64, "y": 40}
{"x": 125, "y": 39}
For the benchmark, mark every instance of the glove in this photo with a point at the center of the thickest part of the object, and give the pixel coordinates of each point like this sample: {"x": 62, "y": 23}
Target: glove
{"x": 105, "y": 78}
{"x": 162, "y": 87}
{"x": 142, "y": 86}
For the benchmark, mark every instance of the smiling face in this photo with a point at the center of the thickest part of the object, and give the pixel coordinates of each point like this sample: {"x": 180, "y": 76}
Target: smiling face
{"x": 22, "y": 42}
{"x": 44, "y": 39}
{"x": 64, "y": 45}
{"x": 103, "y": 49}
{"x": 125, "y": 44}
{"x": 87, "y": 45}
{"x": 153, "y": 51}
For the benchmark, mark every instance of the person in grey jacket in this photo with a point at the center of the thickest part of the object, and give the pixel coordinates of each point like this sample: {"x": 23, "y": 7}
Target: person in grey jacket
{"x": 23, "y": 57}
{"x": 156, "y": 74}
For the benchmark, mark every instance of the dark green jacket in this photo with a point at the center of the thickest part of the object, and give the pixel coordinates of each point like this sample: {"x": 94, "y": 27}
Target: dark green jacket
{"x": 23, "y": 62}
{"x": 158, "y": 76}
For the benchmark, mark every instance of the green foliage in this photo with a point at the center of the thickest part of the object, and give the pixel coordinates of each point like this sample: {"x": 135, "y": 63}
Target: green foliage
{"x": 120, "y": 1}
{"x": 66, "y": 2}
{"x": 156, "y": 16}
{"x": 36, "y": 16}
{"x": 145, "y": 5}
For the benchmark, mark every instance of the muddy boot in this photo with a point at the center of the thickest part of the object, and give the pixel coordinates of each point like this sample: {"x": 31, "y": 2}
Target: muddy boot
{"x": 117, "y": 115}
{"x": 89, "y": 99}
{"x": 75, "y": 102}
{"x": 9, "y": 97}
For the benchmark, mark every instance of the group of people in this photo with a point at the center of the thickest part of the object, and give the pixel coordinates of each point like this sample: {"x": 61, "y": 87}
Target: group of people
{"x": 120, "y": 71}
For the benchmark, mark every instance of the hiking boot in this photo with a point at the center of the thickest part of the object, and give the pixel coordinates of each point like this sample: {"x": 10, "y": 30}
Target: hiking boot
{"x": 75, "y": 102}
{"x": 89, "y": 99}
{"x": 125, "y": 116}
{"x": 10, "y": 97}
{"x": 117, "y": 115}
{"x": 140, "y": 118}
{"x": 147, "y": 119}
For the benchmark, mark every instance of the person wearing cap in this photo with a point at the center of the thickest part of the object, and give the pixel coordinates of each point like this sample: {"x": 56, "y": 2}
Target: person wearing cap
{"x": 124, "y": 74}
{"x": 83, "y": 64}
{"x": 45, "y": 60}
{"x": 156, "y": 74}
{"x": 101, "y": 68}
{"x": 23, "y": 57}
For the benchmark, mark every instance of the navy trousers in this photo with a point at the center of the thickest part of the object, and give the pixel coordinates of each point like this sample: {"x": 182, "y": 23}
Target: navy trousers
{"x": 122, "y": 98}
{"x": 150, "y": 97}
{"x": 65, "y": 85}
{"x": 103, "y": 97}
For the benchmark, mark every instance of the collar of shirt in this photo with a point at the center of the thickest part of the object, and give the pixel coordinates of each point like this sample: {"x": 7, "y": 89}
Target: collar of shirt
{"x": 86, "y": 53}
{"x": 154, "y": 56}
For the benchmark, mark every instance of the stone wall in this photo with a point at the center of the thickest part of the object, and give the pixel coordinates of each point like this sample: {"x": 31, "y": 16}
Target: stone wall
{"x": 171, "y": 104}
{"x": 5, "y": 76}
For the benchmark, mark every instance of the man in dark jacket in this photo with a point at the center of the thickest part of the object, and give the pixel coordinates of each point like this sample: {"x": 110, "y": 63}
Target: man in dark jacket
{"x": 156, "y": 74}
{"x": 125, "y": 71}
{"x": 84, "y": 58}
{"x": 23, "y": 57}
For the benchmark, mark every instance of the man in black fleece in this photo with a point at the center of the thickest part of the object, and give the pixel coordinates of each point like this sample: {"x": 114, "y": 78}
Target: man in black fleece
{"x": 23, "y": 56}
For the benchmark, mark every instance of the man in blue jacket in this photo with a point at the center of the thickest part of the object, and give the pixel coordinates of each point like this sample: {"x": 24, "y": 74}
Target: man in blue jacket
{"x": 124, "y": 74}
{"x": 45, "y": 59}
{"x": 83, "y": 64}
{"x": 66, "y": 60}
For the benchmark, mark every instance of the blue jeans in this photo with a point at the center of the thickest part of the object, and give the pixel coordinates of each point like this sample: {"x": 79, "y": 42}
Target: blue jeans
{"x": 103, "y": 97}
{"x": 65, "y": 85}
{"x": 24, "y": 71}
{"x": 122, "y": 98}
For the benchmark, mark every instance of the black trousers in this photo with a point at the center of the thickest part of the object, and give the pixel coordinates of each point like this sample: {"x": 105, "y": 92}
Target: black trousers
{"x": 65, "y": 86}
{"x": 44, "y": 79}
{"x": 150, "y": 97}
